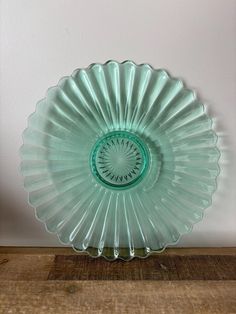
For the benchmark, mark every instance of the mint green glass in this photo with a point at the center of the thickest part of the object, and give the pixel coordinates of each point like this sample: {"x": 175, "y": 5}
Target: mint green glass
{"x": 119, "y": 160}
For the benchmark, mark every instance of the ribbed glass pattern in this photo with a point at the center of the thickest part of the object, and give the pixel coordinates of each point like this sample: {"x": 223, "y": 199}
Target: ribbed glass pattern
{"x": 119, "y": 160}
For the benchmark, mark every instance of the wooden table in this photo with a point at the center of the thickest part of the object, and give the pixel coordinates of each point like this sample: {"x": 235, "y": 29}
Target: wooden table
{"x": 57, "y": 280}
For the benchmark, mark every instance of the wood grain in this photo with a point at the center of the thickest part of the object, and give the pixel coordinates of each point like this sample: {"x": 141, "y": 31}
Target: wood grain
{"x": 25, "y": 267}
{"x": 57, "y": 280}
{"x": 166, "y": 266}
{"x": 172, "y": 297}
{"x": 162, "y": 267}
{"x": 69, "y": 251}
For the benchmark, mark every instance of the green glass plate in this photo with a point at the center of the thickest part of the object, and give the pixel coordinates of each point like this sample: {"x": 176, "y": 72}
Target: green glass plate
{"x": 119, "y": 160}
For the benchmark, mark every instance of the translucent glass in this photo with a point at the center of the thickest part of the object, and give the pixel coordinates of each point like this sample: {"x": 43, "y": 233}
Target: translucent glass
{"x": 119, "y": 160}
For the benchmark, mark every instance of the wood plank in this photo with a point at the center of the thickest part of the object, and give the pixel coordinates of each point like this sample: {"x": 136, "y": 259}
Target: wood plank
{"x": 170, "y": 297}
{"x": 57, "y": 280}
{"x": 70, "y": 251}
{"x": 75, "y": 267}
{"x": 162, "y": 267}
{"x": 25, "y": 267}
{"x": 37, "y": 250}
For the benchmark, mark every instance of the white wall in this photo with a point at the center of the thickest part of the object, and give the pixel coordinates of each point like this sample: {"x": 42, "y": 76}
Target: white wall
{"x": 43, "y": 40}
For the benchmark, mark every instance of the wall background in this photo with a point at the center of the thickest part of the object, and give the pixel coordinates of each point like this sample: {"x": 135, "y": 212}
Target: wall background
{"x": 43, "y": 40}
